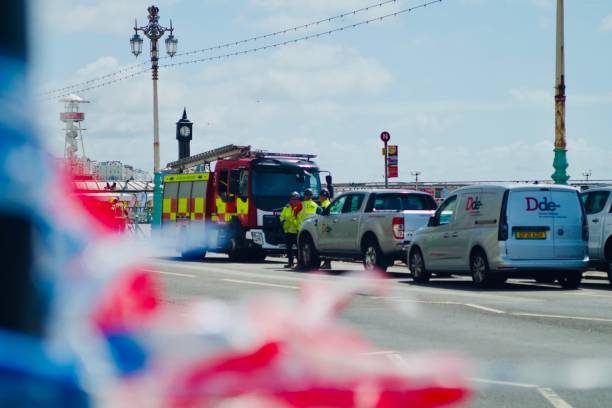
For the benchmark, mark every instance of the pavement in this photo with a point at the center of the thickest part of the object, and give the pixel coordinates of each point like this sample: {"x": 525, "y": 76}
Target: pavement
{"x": 532, "y": 345}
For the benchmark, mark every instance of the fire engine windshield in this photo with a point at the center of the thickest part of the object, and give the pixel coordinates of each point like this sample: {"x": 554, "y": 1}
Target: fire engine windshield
{"x": 272, "y": 188}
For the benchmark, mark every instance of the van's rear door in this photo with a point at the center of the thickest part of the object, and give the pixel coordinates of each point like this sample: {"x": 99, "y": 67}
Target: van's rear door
{"x": 567, "y": 224}
{"x": 530, "y": 225}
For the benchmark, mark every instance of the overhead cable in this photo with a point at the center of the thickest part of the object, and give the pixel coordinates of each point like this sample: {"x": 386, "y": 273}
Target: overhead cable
{"x": 303, "y": 38}
{"x": 262, "y": 48}
{"x": 225, "y": 45}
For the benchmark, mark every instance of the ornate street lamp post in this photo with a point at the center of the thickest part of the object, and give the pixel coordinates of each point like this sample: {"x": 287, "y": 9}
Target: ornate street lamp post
{"x": 154, "y": 32}
{"x": 560, "y": 175}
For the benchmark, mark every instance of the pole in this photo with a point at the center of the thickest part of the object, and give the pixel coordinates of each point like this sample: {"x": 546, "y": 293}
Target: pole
{"x": 386, "y": 165}
{"x": 157, "y": 178}
{"x": 560, "y": 164}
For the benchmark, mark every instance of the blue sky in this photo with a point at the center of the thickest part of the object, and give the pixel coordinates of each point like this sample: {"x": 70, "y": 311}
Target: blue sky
{"x": 465, "y": 87}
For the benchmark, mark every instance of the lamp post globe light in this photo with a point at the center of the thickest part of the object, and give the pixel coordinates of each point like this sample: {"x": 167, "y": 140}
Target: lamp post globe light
{"x": 154, "y": 32}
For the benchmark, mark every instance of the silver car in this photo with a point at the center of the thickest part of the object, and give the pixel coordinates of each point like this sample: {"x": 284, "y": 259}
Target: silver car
{"x": 598, "y": 206}
{"x": 497, "y": 231}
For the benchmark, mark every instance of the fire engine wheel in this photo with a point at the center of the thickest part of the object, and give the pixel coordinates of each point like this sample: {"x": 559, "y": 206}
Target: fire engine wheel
{"x": 235, "y": 252}
{"x": 256, "y": 255}
{"x": 193, "y": 254}
{"x": 309, "y": 256}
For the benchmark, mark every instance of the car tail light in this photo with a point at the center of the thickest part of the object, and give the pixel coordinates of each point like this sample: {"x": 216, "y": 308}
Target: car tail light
{"x": 585, "y": 223}
{"x": 502, "y": 232}
{"x": 398, "y": 227}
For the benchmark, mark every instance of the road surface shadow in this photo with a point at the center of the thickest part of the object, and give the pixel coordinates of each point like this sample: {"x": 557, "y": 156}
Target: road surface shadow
{"x": 467, "y": 285}
{"x": 218, "y": 260}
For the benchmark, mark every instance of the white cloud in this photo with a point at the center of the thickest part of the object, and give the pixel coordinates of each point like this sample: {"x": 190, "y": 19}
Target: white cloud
{"x": 606, "y": 23}
{"x": 250, "y": 100}
{"x": 95, "y": 16}
{"x": 525, "y": 95}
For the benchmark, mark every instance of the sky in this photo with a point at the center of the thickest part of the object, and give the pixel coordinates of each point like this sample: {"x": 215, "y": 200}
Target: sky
{"x": 465, "y": 87}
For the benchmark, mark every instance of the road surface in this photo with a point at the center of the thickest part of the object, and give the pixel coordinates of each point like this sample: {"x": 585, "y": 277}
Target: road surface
{"x": 531, "y": 344}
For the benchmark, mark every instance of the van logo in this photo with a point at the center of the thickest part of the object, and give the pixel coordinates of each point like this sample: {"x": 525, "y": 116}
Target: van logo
{"x": 533, "y": 204}
{"x": 473, "y": 204}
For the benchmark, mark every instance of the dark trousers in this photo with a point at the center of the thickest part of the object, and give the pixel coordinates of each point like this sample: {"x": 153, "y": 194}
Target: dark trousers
{"x": 290, "y": 241}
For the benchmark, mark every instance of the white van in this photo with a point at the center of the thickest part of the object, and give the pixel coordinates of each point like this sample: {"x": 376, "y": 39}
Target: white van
{"x": 598, "y": 207}
{"x": 496, "y": 231}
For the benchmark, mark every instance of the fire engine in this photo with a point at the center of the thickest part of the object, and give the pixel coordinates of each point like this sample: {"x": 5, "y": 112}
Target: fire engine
{"x": 234, "y": 208}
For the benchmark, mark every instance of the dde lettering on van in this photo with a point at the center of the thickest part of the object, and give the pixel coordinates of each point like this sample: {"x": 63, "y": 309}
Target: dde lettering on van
{"x": 473, "y": 204}
{"x": 533, "y": 204}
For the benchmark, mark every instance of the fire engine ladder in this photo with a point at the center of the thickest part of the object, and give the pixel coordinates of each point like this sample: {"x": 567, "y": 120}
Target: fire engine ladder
{"x": 266, "y": 154}
{"x": 210, "y": 156}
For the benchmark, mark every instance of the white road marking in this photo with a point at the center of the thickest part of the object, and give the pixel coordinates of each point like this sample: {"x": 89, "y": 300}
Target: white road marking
{"x": 272, "y": 285}
{"x": 553, "y": 398}
{"x": 593, "y": 319}
{"x": 508, "y": 383}
{"x": 396, "y": 359}
{"x": 486, "y": 309}
{"x": 183, "y": 275}
{"x": 380, "y": 353}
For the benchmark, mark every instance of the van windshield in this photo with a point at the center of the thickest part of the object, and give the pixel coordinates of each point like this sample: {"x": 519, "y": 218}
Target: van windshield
{"x": 401, "y": 202}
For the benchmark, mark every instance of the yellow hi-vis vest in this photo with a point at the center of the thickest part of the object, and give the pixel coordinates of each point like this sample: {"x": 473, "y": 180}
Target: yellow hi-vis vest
{"x": 309, "y": 208}
{"x": 289, "y": 220}
{"x": 325, "y": 203}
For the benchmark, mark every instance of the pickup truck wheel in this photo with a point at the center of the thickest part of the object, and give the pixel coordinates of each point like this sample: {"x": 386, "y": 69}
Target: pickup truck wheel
{"x": 417, "y": 267}
{"x": 479, "y": 265}
{"x": 570, "y": 280}
{"x": 309, "y": 256}
{"x": 373, "y": 258}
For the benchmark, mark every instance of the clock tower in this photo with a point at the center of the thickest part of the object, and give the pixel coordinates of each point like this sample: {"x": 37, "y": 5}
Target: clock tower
{"x": 183, "y": 135}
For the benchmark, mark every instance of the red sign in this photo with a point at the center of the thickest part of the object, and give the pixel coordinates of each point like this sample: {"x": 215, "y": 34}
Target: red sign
{"x": 392, "y": 171}
{"x": 392, "y": 161}
{"x": 385, "y": 136}
{"x": 72, "y": 116}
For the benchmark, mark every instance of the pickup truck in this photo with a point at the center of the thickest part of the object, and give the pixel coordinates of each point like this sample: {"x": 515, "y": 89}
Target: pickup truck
{"x": 598, "y": 208}
{"x": 372, "y": 226}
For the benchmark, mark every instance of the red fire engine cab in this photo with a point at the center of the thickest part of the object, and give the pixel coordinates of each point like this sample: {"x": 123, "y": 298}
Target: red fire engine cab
{"x": 234, "y": 207}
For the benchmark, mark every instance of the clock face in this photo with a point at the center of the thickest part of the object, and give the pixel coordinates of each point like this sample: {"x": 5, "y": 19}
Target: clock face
{"x": 185, "y": 131}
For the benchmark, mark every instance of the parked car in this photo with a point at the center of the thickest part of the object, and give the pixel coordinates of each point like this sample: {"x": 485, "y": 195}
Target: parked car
{"x": 497, "y": 231}
{"x": 598, "y": 207}
{"x": 373, "y": 226}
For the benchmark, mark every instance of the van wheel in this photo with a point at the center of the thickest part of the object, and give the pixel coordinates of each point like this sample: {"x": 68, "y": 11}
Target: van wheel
{"x": 610, "y": 272}
{"x": 417, "y": 267}
{"x": 570, "y": 280}
{"x": 309, "y": 256}
{"x": 481, "y": 274}
{"x": 373, "y": 258}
